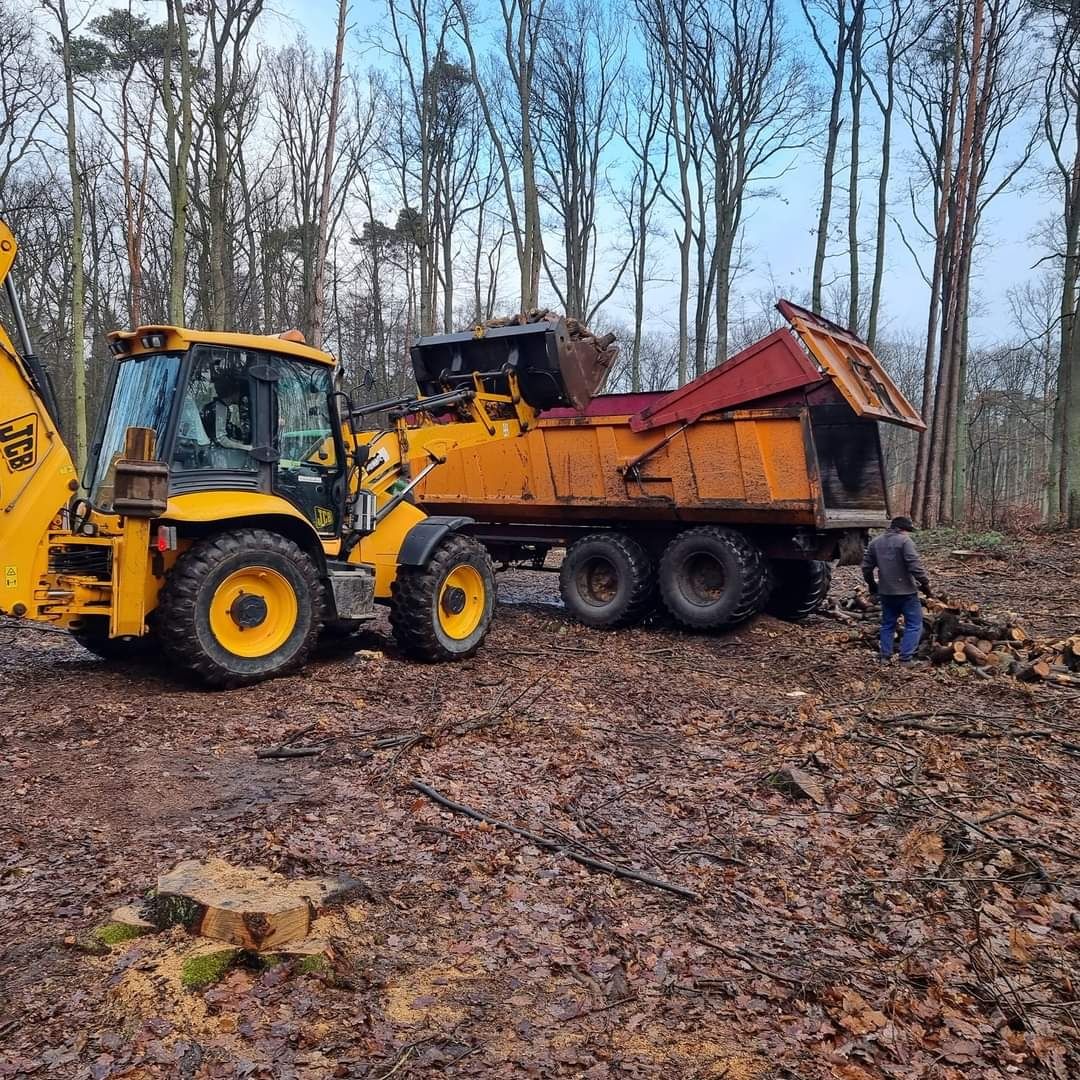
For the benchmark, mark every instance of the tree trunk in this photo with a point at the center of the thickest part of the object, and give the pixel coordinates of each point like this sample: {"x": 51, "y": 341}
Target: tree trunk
{"x": 319, "y": 307}
{"x": 856, "y": 88}
{"x": 78, "y": 286}
{"x": 836, "y": 66}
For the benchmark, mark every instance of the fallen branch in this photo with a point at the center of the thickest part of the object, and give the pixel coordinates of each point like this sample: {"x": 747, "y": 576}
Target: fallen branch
{"x": 289, "y": 751}
{"x": 551, "y": 845}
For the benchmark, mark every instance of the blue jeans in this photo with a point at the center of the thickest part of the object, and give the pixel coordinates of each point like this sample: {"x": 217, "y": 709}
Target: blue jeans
{"x": 892, "y": 607}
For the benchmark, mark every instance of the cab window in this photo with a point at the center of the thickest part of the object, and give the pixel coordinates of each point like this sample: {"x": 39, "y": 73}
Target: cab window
{"x": 307, "y": 467}
{"x": 216, "y": 425}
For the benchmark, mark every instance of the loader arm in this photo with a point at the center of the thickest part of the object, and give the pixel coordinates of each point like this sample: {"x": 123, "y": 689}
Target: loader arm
{"x": 37, "y": 474}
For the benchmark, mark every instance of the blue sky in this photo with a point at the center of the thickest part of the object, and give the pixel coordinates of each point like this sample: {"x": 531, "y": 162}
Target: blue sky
{"x": 780, "y": 231}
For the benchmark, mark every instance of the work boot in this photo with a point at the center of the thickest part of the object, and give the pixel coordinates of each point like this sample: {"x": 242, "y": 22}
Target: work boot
{"x": 884, "y": 660}
{"x": 909, "y": 663}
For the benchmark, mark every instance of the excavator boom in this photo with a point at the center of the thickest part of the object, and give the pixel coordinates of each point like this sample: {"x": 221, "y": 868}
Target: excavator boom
{"x": 37, "y": 475}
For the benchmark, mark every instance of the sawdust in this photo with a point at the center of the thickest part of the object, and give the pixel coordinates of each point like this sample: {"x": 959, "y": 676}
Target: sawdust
{"x": 704, "y": 1057}
{"x": 421, "y": 995}
{"x": 153, "y": 988}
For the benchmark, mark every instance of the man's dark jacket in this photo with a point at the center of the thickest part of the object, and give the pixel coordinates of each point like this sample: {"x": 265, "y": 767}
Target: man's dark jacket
{"x": 900, "y": 571}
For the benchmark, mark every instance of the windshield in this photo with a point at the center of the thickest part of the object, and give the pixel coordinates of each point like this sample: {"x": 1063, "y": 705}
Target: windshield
{"x": 142, "y": 397}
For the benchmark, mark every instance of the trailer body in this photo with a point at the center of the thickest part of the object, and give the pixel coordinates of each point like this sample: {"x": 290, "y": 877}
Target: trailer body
{"x": 779, "y": 444}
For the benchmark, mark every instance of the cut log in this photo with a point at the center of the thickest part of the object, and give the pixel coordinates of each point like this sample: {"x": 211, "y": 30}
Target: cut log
{"x": 1033, "y": 672}
{"x": 941, "y": 654}
{"x": 252, "y": 908}
{"x": 975, "y": 655}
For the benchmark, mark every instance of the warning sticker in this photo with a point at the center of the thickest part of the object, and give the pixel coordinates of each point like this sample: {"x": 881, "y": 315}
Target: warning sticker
{"x": 11, "y": 577}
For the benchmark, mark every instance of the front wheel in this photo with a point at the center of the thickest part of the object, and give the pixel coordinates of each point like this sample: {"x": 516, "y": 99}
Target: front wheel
{"x": 239, "y": 607}
{"x": 442, "y": 611}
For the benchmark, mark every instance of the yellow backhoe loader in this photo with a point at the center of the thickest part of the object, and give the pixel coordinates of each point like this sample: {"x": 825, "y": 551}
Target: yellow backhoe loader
{"x": 231, "y": 508}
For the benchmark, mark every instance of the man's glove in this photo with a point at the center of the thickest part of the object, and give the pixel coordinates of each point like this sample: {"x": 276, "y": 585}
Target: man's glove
{"x": 924, "y": 588}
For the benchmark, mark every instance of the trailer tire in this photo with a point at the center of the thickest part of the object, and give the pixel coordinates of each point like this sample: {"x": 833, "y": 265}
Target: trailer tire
{"x": 607, "y": 580}
{"x": 799, "y": 587}
{"x": 712, "y": 577}
{"x": 234, "y": 582}
{"x": 443, "y": 610}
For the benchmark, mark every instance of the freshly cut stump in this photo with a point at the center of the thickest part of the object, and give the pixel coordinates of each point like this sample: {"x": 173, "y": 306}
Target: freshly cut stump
{"x": 250, "y": 907}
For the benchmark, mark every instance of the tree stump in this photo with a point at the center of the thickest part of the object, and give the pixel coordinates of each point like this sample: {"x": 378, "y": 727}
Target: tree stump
{"x": 249, "y": 907}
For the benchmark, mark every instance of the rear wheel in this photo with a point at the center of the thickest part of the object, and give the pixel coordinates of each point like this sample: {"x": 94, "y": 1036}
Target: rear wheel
{"x": 442, "y": 611}
{"x": 607, "y": 580}
{"x": 799, "y": 587}
{"x": 241, "y": 606}
{"x": 712, "y": 577}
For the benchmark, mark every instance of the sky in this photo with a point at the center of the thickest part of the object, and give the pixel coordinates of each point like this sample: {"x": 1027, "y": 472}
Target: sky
{"x": 779, "y": 233}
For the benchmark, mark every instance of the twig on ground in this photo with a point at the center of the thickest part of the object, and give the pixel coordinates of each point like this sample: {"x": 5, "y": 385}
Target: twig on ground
{"x": 552, "y": 845}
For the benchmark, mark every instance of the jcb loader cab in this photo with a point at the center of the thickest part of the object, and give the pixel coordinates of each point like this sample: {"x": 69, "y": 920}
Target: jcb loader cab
{"x": 229, "y": 510}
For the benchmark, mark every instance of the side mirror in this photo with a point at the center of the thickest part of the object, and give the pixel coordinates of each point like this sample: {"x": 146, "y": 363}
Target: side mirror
{"x": 361, "y": 455}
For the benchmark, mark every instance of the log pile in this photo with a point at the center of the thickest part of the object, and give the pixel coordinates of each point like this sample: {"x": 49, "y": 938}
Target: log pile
{"x": 960, "y": 633}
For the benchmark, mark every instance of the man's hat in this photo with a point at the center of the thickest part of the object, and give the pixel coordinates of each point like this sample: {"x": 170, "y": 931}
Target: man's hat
{"x": 902, "y": 522}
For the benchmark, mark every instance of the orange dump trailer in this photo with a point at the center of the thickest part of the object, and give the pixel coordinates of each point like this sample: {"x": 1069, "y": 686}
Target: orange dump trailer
{"x": 731, "y": 494}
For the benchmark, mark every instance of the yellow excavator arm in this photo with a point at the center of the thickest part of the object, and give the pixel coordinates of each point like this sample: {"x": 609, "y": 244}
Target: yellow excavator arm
{"x": 37, "y": 475}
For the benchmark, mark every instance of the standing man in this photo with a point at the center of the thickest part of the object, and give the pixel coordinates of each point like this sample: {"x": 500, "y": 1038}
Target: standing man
{"x": 901, "y": 577}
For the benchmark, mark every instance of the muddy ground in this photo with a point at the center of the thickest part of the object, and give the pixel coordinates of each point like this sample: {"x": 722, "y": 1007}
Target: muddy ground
{"x": 874, "y": 934}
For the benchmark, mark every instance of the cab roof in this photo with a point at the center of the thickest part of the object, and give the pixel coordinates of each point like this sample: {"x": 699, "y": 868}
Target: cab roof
{"x": 178, "y": 338}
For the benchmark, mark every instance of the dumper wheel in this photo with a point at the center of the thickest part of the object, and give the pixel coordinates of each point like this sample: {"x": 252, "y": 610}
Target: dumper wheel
{"x": 442, "y": 611}
{"x": 607, "y": 580}
{"x": 799, "y": 587}
{"x": 239, "y": 607}
{"x": 712, "y": 577}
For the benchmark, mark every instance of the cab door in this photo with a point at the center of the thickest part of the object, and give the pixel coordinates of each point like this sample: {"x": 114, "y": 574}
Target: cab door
{"x": 308, "y": 467}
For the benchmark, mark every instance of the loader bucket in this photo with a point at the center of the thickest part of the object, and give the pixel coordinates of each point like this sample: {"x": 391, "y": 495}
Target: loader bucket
{"x": 552, "y": 369}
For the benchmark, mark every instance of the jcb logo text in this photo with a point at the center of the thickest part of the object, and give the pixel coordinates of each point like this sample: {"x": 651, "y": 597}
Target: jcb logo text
{"x": 18, "y": 442}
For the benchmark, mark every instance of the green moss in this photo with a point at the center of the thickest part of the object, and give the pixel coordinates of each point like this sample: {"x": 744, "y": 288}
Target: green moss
{"x": 205, "y": 969}
{"x": 312, "y": 965}
{"x": 175, "y": 911}
{"x": 115, "y": 933}
{"x": 268, "y": 960}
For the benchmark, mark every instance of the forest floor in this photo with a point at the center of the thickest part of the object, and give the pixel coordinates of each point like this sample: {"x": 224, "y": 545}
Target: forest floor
{"x": 875, "y": 933}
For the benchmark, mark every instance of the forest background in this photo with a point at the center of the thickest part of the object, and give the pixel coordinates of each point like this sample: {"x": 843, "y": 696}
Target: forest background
{"x": 666, "y": 169}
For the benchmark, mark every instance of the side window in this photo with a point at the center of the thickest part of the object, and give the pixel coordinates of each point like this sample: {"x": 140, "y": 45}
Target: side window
{"x": 216, "y": 426}
{"x": 307, "y": 468}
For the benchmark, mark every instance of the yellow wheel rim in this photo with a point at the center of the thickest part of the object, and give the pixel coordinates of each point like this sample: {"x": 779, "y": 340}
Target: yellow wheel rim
{"x": 461, "y": 602}
{"x": 254, "y": 611}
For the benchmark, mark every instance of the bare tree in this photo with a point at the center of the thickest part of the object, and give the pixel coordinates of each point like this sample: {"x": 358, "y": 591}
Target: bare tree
{"x": 511, "y": 129}
{"x": 28, "y": 89}
{"x": 327, "y": 184}
{"x": 78, "y": 285}
{"x": 641, "y": 128}
{"x": 578, "y": 84}
{"x": 229, "y": 26}
{"x": 1061, "y": 127}
{"x": 976, "y": 61}
{"x": 836, "y": 14}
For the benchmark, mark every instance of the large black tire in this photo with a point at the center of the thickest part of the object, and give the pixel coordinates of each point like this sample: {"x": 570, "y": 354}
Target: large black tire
{"x": 712, "y": 577}
{"x": 93, "y": 635}
{"x": 799, "y": 587}
{"x": 277, "y": 602}
{"x": 607, "y": 580}
{"x": 442, "y": 611}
